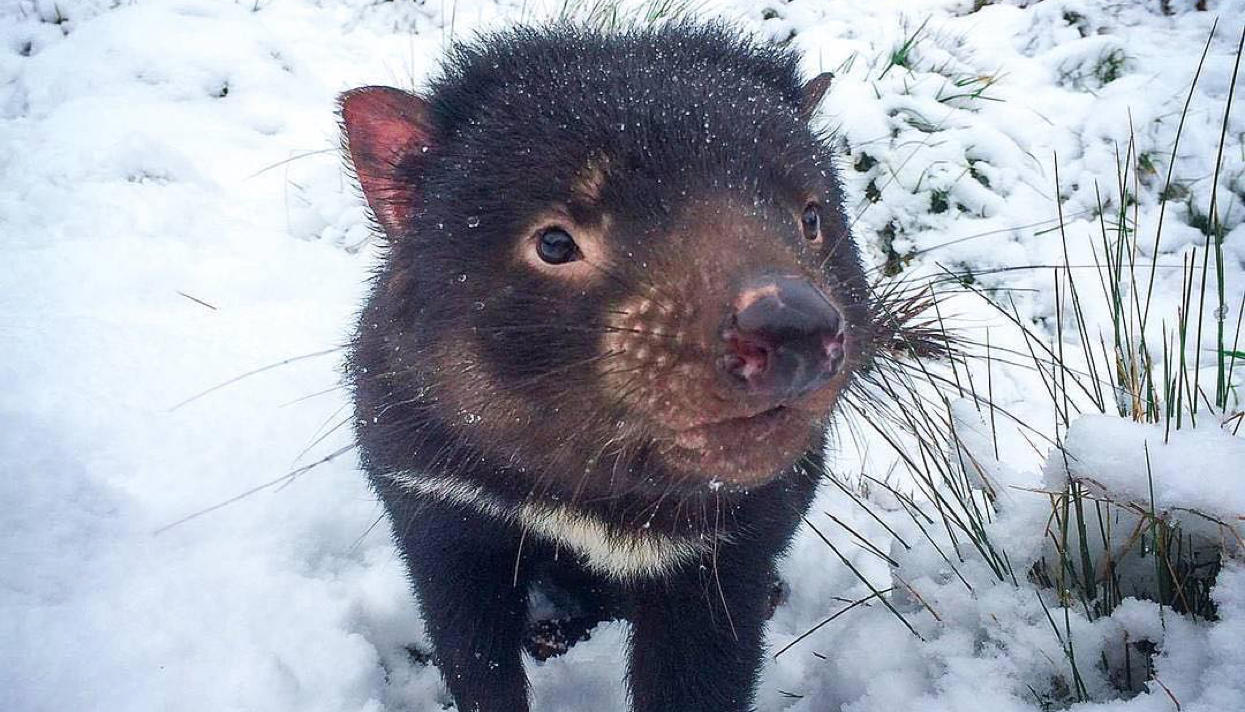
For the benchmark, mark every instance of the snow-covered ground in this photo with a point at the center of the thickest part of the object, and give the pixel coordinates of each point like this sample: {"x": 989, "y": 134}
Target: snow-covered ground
{"x": 173, "y": 214}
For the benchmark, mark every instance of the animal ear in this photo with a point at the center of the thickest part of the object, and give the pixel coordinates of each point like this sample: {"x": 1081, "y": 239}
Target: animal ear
{"x": 387, "y": 132}
{"x": 814, "y": 90}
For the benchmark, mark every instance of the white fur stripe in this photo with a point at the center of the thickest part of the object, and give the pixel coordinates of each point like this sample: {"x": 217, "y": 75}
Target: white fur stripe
{"x": 619, "y": 554}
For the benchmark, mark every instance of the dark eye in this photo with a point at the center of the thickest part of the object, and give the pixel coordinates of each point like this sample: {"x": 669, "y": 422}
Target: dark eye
{"x": 557, "y": 246}
{"x": 811, "y": 221}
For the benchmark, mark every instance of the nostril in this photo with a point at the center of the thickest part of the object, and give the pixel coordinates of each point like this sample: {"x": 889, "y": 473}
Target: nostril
{"x": 833, "y": 326}
{"x": 835, "y": 352}
{"x": 832, "y": 344}
{"x": 746, "y": 358}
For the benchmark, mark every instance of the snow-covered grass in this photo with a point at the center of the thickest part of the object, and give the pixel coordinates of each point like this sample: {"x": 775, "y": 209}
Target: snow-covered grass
{"x": 1051, "y": 519}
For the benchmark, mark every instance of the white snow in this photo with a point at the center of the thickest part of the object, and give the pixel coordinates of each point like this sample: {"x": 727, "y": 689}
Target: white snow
{"x": 173, "y": 214}
{"x": 1196, "y": 467}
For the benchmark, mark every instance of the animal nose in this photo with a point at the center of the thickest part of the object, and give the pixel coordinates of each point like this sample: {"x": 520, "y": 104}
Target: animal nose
{"x": 783, "y": 338}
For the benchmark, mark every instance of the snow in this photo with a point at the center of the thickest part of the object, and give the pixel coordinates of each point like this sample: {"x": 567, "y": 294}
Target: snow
{"x": 173, "y": 214}
{"x": 1197, "y": 467}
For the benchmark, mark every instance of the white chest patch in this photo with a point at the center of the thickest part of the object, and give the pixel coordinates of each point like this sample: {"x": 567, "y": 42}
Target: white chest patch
{"x": 621, "y": 555}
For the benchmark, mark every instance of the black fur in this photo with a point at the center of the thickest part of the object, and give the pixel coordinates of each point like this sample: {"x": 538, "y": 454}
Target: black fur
{"x": 680, "y": 111}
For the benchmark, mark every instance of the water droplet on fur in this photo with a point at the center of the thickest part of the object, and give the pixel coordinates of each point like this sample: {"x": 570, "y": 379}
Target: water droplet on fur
{"x": 473, "y": 221}
{"x": 471, "y": 418}
{"x": 478, "y": 306}
{"x": 462, "y": 277}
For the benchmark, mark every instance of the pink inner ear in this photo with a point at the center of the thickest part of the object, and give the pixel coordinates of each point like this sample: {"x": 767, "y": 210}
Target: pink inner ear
{"x": 386, "y": 128}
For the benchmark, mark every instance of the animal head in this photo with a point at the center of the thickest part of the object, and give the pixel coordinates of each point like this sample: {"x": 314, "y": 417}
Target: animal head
{"x": 613, "y": 255}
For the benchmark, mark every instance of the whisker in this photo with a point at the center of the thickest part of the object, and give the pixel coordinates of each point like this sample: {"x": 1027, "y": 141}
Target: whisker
{"x": 309, "y": 396}
{"x": 254, "y": 372}
{"x": 289, "y": 476}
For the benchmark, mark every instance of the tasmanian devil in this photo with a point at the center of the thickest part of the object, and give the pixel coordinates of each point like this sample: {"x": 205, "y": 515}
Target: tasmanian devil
{"x": 617, "y": 305}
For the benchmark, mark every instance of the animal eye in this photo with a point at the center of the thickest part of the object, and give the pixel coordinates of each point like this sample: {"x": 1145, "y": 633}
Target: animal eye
{"x": 557, "y": 246}
{"x": 811, "y": 221}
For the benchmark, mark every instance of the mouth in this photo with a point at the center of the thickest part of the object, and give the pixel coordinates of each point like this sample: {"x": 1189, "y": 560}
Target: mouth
{"x": 750, "y": 448}
{"x": 735, "y": 432}
{"x": 743, "y": 451}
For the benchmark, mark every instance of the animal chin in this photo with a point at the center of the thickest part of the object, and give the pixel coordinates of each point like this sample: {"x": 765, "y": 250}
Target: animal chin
{"x": 745, "y": 450}
{"x": 727, "y": 430}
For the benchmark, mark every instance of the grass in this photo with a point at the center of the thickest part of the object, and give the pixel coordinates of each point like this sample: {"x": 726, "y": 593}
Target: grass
{"x": 1146, "y": 364}
{"x": 968, "y": 88}
{"x": 1110, "y": 66}
{"x": 902, "y": 54}
{"x": 614, "y": 15}
{"x": 1127, "y": 374}
{"x": 607, "y": 15}
{"x": 1091, "y": 74}
{"x": 941, "y": 92}
{"x": 957, "y": 88}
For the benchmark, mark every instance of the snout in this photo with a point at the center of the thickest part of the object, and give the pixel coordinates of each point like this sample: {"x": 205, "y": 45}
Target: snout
{"x": 782, "y": 338}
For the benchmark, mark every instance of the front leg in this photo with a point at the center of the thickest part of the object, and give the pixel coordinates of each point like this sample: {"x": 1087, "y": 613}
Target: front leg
{"x": 474, "y": 602}
{"x": 696, "y": 641}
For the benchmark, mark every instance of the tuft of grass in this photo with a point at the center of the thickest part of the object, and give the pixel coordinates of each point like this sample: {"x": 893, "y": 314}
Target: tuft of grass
{"x": 902, "y": 54}
{"x": 1127, "y": 374}
{"x": 1131, "y": 376}
{"x": 612, "y": 16}
{"x": 1144, "y": 365}
{"x": 1091, "y": 74}
{"x": 1110, "y": 66}
{"x": 1174, "y": 191}
{"x": 1208, "y": 225}
{"x": 1147, "y": 165}
{"x": 975, "y": 172}
{"x": 894, "y": 261}
{"x": 864, "y": 162}
{"x": 968, "y": 88}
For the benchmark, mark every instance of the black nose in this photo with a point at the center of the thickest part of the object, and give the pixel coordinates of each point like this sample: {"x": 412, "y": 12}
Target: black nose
{"x": 783, "y": 338}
